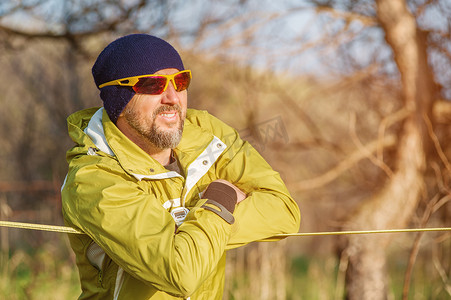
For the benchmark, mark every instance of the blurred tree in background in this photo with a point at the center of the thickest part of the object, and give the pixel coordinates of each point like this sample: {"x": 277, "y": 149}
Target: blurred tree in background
{"x": 349, "y": 100}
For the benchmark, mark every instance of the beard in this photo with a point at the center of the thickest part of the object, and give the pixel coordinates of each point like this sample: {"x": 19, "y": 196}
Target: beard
{"x": 160, "y": 138}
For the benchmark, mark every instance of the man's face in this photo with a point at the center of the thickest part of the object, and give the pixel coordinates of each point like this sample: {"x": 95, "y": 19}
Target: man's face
{"x": 158, "y": 118}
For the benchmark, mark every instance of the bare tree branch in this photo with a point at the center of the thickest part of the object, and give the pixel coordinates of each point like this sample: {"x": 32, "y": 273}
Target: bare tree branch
{"x": 344, "y": 165}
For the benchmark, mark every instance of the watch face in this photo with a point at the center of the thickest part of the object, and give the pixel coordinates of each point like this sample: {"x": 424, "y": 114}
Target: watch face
{"x": 179, "y": 214}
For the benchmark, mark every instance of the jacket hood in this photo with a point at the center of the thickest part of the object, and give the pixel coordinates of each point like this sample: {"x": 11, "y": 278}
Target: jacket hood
{"x": 76, "y": 123}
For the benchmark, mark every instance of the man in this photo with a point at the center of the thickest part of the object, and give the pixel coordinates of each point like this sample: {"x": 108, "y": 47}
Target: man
{"x": 161, "y": 191}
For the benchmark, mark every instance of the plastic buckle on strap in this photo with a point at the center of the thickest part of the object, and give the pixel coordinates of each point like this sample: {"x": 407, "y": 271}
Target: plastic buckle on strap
{"x": 223, "y": 212}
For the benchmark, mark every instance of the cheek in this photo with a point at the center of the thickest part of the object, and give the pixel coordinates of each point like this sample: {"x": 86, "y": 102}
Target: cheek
{"x": 143, "y": 104}
{"x": 184, "y": 101}
{"x": 146, "y": 108}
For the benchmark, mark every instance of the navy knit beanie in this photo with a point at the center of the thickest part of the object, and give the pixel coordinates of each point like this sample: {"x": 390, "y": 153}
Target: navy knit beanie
{"x": 131, "y": 55}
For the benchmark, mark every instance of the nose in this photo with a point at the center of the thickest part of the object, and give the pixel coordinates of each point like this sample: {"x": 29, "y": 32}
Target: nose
{"x": 170, "y": 96}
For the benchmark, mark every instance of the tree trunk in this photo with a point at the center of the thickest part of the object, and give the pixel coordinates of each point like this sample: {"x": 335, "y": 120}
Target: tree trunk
{"x": 392, "y": 207}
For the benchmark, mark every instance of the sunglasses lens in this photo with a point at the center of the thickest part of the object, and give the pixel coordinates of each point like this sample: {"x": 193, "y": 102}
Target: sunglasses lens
{"x": 182, "y": 81}
{"x": 150, "y": 85}
{"x": 154, "y": 85}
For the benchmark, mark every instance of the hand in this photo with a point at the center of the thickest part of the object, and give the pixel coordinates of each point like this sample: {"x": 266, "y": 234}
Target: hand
{"x": 240, "y": 195}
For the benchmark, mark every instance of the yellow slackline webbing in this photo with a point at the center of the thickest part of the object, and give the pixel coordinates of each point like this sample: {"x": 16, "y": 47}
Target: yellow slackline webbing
{"x": 66, "y": 229}
{"x": 39, "y": 227}
{"x": 366, "y": 231}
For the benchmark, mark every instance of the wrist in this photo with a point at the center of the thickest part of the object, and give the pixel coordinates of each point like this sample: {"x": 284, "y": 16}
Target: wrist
{"x": 222, "y": 194}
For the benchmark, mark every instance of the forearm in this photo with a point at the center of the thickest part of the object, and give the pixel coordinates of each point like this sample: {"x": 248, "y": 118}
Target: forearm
{"x": 263, "y": 215}
{"x": 268, "y": 209}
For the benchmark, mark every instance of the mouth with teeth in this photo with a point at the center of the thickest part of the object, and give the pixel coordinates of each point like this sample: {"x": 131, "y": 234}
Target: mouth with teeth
{"x": 168, "y": 114}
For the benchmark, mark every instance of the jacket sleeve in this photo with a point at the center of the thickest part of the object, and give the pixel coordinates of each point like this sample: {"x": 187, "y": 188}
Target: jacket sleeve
{"x": 269, "y": 209}
{"x": 137, "y": 233}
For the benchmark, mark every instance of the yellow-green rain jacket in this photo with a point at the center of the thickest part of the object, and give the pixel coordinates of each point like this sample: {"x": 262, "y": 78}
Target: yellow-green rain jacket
{"x": 121, "y": 198}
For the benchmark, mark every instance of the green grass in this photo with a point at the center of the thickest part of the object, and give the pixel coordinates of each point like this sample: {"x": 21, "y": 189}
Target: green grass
{"x": 40, "y": 274}
{"x": 49, "y": 272}
{"x": 313, "y": 279}
{"x": 318, "y": 278}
